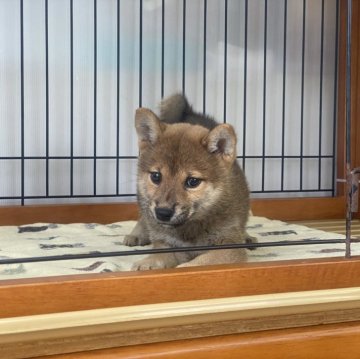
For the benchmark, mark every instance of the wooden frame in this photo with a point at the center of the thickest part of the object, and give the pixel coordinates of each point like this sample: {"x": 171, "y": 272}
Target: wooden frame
{"x": 282, "y": 209}
{"x": 85, "y": 292}
{"x": 88, "y": 292}
{"x": 316, "y": 342}
{"x": 124, "y": 326}
{"x": 32, "y": 297}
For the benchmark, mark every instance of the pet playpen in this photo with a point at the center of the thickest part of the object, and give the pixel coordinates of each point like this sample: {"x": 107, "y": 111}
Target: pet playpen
{"x": 72, "y": 73}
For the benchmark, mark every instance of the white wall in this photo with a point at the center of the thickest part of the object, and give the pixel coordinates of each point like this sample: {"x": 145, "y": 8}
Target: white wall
{"x": 34, "y": 81}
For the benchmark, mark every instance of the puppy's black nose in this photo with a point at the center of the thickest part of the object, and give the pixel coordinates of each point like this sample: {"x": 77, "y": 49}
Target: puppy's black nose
{"x": 164, "y": 214}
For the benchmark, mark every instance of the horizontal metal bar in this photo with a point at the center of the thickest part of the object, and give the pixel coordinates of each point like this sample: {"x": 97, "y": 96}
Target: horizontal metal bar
{"x": 285, "y": 156}
{"x": 134, "y": 194}
{"x": 69, "y": 158}
{"x": 6, "y": 158}
{"x": 171, "y": 250}
{"x": 294, "y": 190}
{"x": 73, "y": 196}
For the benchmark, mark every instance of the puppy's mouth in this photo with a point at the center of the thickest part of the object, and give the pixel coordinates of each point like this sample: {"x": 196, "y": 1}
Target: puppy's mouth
{"x": 176, "y": 220}
{"x": 168, "y": 225}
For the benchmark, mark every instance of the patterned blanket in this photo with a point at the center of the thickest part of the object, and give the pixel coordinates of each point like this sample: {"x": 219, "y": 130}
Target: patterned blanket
{"x": 44, "y": 239}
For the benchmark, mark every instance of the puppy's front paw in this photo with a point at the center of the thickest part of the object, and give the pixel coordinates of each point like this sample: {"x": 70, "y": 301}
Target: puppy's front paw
{"x": 186, "y": 264}
{"x": 131, "y": 241}
{"x": 149, "y": 263}
{"x": 250, "y": 240}
{"x": 156, "y": 261}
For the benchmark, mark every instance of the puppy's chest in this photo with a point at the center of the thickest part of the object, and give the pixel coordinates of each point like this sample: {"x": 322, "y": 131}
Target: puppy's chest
{"x": 180, "y": 238}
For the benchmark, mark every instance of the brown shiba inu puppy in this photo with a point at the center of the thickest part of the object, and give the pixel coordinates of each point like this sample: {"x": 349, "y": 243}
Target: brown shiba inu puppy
{"x": 191, "y": 190}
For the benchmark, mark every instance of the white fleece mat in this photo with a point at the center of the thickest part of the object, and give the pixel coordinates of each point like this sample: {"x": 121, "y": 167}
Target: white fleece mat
{"x": 43, "y": 239}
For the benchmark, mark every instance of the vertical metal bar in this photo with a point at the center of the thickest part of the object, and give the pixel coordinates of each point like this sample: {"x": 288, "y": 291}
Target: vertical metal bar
{"x": 183, "y": 46}
{"x": 22, "y": 112}
{"x": 321, "y": 90}
{"x": 162, "y": 45}
{"x": 225, "y": 55}
{"x": 335, "y": 100}
{"x": 95, "y": 92}
{"x": 204, "y": 58}
{"x": 264, "y": 100}
{"x": 117, "y": 94}
{"x": 140, "y": 50}
{"x": 348, "y": 132}
{"x": 348, "y": 83}
{"x": 302, "y": 95}
{"x": 47, "y": 97}
{"x": 283, "y": 98}
{"x": 71, "y": 98}
{"x": 245, "y": 81}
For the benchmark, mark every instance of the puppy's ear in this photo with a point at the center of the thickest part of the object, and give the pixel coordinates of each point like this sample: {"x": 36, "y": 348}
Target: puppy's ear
{"x": 221, "y": 140}
{"x": 148, "y": 126}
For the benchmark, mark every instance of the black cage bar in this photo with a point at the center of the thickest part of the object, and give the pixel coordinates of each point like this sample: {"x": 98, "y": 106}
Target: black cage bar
{"x": 188, "y": 56}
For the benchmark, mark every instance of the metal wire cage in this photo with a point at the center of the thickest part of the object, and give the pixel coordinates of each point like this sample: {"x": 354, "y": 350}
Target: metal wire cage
{"x": 74, "y": 72}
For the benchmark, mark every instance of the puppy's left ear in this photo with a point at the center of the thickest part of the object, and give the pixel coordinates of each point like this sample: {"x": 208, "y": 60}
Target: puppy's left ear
{"x": 221, "y": 140}
{"x": 148, "y": 126}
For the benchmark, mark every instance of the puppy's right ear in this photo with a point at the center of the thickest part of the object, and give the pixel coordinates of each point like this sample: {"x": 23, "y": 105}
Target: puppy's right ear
{"x": 148, "y": 126}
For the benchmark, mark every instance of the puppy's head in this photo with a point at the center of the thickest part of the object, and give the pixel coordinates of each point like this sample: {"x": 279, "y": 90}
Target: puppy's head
{"x": 183, "y": 169}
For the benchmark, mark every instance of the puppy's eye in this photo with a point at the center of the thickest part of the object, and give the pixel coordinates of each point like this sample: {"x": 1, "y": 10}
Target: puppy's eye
{"x": 192, "y": 182}
{"x": 155, "y": 177}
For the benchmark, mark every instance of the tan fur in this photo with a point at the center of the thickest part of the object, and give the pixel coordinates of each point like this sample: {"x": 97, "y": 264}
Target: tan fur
{"x": 213, "y": 212}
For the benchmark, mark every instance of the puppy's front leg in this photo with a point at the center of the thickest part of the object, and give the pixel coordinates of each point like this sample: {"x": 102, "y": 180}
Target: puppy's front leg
{"x": 160, "y": 260}
{"x": 139, "y": 235}
{"x": 220, "y": 256}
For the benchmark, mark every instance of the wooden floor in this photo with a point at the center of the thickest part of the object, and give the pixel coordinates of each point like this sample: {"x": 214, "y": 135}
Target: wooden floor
{"x": 333, "y": 225}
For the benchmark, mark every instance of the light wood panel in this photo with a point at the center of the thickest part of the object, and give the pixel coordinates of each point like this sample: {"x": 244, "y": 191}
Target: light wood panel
{"x": 26, "y": 337}
{"x": 336, "y": 341}
{"x": 290, "y": 209}
{"x": 283, "y": 209}
{"x": 72, "y": 213}
{"x": 71, "y": 293}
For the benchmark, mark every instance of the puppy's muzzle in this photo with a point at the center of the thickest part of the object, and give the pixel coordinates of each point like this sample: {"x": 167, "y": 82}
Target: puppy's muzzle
{"x": 164, "y": 214}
